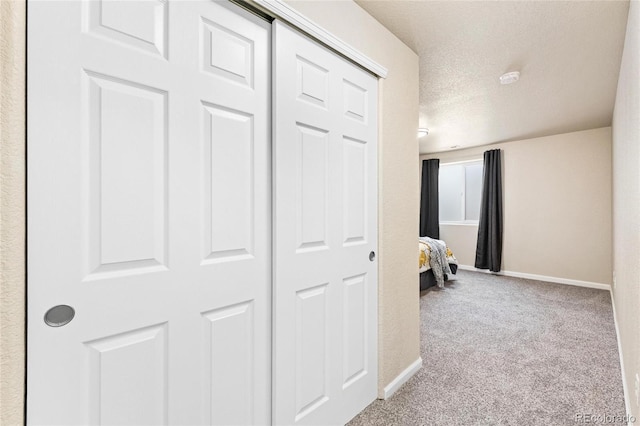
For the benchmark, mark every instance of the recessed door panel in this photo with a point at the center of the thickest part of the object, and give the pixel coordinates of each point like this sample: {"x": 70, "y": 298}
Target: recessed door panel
{"x": 355, "y": 355}
{"x": 354, "y": 173}
{"x": 128, "y": 377}
{"x": 127, "y": 170}
{"x": 355, "y": 101}
{"x": 312, "y": 82}
{"x": 230, "y": 376}
{"x": 311, "y": 349}
{"x": 139, "y": 24}
{"x": 312, "y": 183}
{"x": 228, "y": 147}
{"x": 226, "y": 53}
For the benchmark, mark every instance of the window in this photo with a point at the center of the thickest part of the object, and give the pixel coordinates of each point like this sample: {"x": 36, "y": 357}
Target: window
{"x": 460, "y": 191}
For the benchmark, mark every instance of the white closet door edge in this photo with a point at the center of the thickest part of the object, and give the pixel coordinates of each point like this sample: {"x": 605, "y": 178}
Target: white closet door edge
{"x": 279, "y": 9}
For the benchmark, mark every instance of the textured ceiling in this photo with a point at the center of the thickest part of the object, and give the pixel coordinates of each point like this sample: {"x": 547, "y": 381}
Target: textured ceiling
{"x": 568, "y": 54}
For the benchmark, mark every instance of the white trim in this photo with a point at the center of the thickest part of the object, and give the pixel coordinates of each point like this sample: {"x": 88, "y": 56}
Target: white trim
{"x": 402, "y": 378}
{"x": 280, "y": 9}
{"x": 471, "y": 268}
{"x": 556, "y": 280}
{"x": 462, "y": 223}
{"x": 453, "y": 163}
{"x": 627, "y": 403}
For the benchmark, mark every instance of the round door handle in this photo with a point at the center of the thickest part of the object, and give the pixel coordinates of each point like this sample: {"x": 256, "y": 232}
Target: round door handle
{"x": 372, "y": 256}
{"x": 59, "y": 315}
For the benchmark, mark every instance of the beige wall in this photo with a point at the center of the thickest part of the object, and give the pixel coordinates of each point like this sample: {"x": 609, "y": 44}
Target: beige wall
{"x": 398, "y": 191}
{"x": 12, "y": 210}
{"x": 626, "y": 204}
{"x": 557, "y": 206}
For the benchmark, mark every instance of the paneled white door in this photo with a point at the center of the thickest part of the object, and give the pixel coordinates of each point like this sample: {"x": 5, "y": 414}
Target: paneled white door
{"x": 149, "y": 213}
{"x": 325, "y": 235}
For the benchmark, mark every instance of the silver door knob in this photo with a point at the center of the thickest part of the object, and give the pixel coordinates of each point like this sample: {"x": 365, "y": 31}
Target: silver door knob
{"x": 372, "y": 256}
{"x": 59, "y": 315}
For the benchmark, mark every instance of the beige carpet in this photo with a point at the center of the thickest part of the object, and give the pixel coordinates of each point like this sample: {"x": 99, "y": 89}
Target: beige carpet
{"x": 509, "y": 351}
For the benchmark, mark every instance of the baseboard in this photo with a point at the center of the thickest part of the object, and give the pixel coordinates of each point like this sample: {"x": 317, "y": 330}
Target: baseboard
{"x": 627, "y": 401}
{"x": 556, "y": 280}
{"x": 471, "y": 268}
{"x": 402, "y": 378}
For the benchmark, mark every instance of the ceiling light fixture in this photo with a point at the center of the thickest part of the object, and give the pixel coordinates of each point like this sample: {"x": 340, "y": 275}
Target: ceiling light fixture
{"x": 423, "y": 132}
{"x": 510, "y": 77}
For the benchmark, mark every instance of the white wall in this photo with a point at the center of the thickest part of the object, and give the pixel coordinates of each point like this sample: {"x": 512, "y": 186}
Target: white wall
{"x": 398, "y": 182}
{"x": 626, "y": 204}
{"x": 557, "y": 206}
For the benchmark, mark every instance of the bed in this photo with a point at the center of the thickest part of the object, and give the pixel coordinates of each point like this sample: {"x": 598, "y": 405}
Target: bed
{"x": 435, "y": 261}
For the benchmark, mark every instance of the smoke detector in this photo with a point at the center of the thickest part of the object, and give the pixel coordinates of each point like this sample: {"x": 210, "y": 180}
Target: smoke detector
{"x": 510, "y": 77}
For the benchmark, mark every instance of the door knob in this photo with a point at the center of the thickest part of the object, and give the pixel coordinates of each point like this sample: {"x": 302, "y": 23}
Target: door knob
{"x": 59, "y": 315}
{"x": 372, "y": 256}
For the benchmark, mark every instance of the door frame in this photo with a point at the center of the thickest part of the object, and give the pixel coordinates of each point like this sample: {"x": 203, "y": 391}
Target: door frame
{"x": 280, "y": 9}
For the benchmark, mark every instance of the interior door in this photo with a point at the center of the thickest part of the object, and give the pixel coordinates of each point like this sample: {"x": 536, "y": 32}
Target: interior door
{"x": 325, "y": 235}
{"x": 149, "y": 197}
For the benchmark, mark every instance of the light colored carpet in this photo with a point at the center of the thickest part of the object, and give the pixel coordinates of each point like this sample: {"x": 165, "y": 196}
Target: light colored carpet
{"x": 509, "y": 351}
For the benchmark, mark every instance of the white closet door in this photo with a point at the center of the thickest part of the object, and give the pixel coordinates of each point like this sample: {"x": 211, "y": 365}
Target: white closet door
{"x": 325, "y": 293}
{"x": 149, "y": 199}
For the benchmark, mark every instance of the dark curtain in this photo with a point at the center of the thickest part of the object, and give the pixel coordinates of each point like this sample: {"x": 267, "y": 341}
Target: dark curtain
{"x": 429, "y": 216}
{"x": 489, "y": 247}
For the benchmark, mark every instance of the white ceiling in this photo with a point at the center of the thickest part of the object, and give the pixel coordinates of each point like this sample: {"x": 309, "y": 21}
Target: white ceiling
{"x": 568, "y": 54}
